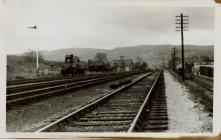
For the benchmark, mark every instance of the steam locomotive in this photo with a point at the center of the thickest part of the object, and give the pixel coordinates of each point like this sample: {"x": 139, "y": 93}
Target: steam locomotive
{"x": 73, "y": 66}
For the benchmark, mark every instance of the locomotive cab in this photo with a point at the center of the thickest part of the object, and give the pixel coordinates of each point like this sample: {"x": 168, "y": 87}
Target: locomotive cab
{"x": 72, "y": 66}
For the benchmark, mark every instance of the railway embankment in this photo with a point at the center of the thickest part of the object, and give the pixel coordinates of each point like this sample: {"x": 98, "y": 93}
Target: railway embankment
{"x": 22, "y": 67}
{"x": 188, "y": 102}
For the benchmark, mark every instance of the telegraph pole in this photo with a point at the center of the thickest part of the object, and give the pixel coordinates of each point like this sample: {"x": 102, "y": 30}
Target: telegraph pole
{"x": 172, "y": 62}
{"x": 182, "y": 22}
{"x": 174, "y": 59}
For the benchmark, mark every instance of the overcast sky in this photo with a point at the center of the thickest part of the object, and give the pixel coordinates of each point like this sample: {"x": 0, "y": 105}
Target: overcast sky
{"x": 74, "y": 24}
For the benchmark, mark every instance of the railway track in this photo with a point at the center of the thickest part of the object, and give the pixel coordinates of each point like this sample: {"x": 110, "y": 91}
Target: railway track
{"x": 47, "y": 79}
{"x": 203, "y": 85}
{"x": 137, "y": 106}
{"x": 34, "y": 80}
{"x": 54, "y": 88}
{"x": 49, "y": 82}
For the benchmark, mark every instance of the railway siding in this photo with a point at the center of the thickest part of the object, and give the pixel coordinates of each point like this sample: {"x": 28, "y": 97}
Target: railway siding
{"x": 36, "y": 94}
{"x": 11, "y": 89}
{"x": 204, "y": 82}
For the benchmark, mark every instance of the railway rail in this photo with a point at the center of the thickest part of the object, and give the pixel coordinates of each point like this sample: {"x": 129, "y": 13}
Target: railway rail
{"x": 126, "y": 109}
{"x": 34, "y": 80}
{"x": 199, "y": 81}
{"x": 46, "y": 79}
{"x": 55, "y": 88}
{"x": 41, "y": 84}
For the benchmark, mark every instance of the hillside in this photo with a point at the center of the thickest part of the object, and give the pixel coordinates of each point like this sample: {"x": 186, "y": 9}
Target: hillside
{"x": 154, "y": 55}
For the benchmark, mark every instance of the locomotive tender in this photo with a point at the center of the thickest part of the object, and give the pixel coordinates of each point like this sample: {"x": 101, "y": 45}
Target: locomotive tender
{"x": 99, "y": 63}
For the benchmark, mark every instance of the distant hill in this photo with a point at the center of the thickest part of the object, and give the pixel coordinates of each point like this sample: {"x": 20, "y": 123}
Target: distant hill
{"x": 83, "y": 53}
{"x": 154, "y": 55}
